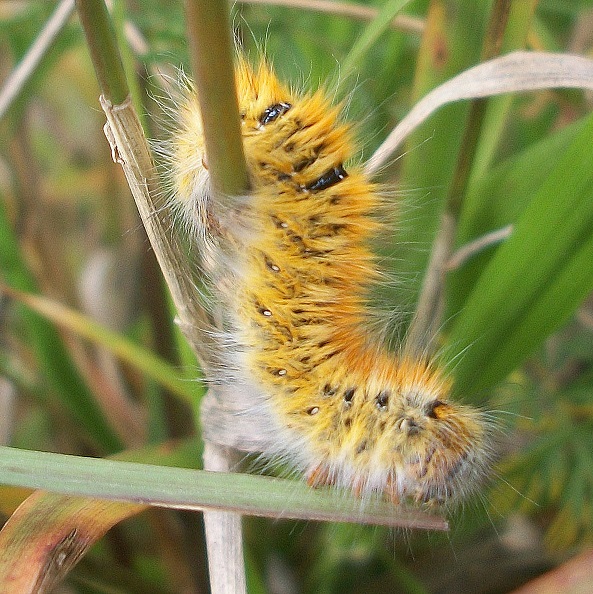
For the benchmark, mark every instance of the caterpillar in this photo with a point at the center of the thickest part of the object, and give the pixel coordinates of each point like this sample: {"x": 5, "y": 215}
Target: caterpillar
{"x": 290, "y": 266}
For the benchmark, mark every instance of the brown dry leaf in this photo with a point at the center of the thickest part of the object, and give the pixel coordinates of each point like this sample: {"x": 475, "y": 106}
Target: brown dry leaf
{"x": 513, "y": 73}
{"x": 48, "y": 534}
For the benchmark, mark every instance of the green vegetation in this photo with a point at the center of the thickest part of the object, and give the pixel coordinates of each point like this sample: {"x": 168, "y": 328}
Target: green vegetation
{"x": 516, "y": 323}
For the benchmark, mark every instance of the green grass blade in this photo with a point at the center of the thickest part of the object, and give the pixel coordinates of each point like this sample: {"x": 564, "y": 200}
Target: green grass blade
{"x": 450, "y": 44}
{"x": 53, "y": 359}
{"x": 536, "y": 279}
{"x": 48, "y": 527}
{"x": 497, "y": 201}
{"x": 141, "y": 358}
{"x": 194, "y": 489}
{"x": 370, "y": 35}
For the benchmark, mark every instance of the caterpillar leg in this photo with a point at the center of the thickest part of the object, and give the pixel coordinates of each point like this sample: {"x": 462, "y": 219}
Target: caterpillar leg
{"x": 391, "y": 491}
{"x": 319, "y": 476}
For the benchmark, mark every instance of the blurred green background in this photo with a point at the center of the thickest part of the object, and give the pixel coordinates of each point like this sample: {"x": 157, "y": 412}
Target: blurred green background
{"x": 69, "y": 230}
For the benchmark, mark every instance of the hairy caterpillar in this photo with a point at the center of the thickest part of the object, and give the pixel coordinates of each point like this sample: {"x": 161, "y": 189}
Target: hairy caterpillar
{"x": 291, "y": 267}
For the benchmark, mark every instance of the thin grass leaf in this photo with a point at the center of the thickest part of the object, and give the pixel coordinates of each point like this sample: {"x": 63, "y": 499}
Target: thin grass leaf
{"x": 515, "y": 72}
{"x": 519, "y": 71}
{"x": 183, "y": 488}
{"x": 371, "y": 34}
{"x": 142, "y": 359}
{"x": 50, "y": 532}
{"x": 510, "y": 185}
{"x": 17, "y": 80}
{"x": 346, "y": 9}
{"x": 55, "y": 362}
{"x": 451, "y": 42}
{"x": 509, "y": 188}
{"x": 499, "y": 108}
{"x": 536, "y": 279}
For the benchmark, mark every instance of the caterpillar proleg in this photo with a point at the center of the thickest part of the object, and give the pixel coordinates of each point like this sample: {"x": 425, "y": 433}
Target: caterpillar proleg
{"x": 290, "y": 268}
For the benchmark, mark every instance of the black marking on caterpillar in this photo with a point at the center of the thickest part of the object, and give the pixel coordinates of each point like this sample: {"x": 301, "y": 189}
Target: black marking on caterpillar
{"x": 349, "y": 396}
{"x": 274, "y": 112}
{"x": 328, "y": 179}
{"x": 382, "y": 400}
{"x": 431, "y": 414}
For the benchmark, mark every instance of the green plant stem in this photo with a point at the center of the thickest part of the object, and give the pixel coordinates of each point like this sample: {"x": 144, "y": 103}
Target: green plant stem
{"x": 495, "y": 120}
{"x": 102, "y": 43}
{"x": 212, "y": 65}
{"x": 430, "y": 307}
{"x": 127, "y": 58}
{"x": 490, "y": 48}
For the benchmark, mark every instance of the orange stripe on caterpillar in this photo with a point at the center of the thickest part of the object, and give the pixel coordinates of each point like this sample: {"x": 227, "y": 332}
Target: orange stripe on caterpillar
{"x": 291, "y": 268}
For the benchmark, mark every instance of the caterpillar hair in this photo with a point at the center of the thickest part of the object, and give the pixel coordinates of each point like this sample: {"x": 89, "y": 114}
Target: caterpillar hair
{"x": 290, "y": 268}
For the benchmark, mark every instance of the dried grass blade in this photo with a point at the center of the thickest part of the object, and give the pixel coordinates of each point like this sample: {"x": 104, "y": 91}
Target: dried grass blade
{"x": 513, "y": 73}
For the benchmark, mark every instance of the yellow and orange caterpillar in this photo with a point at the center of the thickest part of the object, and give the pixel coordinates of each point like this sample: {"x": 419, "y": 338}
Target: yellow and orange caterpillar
{"x": 291, "y": 267}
